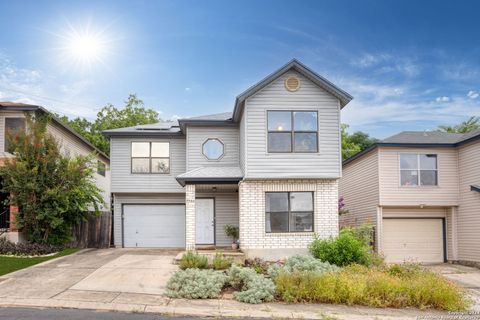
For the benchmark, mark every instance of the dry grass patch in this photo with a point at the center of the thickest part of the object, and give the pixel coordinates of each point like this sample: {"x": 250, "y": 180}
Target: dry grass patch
{"x": 397, "y": 286}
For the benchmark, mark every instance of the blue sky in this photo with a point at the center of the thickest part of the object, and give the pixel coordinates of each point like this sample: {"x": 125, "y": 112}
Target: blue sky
{"x": 410, "y": 65}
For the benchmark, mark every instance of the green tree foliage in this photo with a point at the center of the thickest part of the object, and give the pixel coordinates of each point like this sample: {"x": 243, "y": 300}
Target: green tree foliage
{"x": 355, "y": 142}
{"x": 466, "y": 126}
{"x": 110, "y": 117}
{"x": 52, "y": 191}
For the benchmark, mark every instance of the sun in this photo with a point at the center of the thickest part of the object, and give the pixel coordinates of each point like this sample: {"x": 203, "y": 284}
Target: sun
{"x": 86, "y": 48}
{"x": 83, "y": 47}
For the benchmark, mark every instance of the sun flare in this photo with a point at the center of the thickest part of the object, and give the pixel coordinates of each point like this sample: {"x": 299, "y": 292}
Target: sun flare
{"x": 84, "y": 47}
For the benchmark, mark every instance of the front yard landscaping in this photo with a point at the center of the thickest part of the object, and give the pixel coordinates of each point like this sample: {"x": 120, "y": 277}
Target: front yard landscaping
{"x": 11, "y": 263}
{"x": 343, "y": 270}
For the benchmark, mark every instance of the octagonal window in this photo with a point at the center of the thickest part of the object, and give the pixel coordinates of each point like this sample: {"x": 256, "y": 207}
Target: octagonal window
{"x": 213, "y": 149}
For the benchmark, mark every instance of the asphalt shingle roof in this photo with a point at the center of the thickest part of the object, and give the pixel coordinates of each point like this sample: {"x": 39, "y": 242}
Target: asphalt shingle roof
{"x": 424, "y": 137}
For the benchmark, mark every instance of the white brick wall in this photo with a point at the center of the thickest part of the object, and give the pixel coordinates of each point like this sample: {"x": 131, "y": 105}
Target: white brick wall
{"x": 190, "y": 216}
{"x": 252, "y": 213}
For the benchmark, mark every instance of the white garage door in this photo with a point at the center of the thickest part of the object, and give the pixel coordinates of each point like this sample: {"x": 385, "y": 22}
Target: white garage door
{"x": 419, "y": 240}
{"x": 154, "y": 226}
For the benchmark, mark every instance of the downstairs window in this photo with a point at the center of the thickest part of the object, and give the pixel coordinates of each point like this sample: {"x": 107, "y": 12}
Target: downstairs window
{"x": 288, "y": 212}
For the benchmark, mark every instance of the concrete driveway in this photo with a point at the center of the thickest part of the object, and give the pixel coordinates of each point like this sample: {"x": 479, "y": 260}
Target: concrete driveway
{"x": 467, "y": 277}
{"x": 108, "y": 275}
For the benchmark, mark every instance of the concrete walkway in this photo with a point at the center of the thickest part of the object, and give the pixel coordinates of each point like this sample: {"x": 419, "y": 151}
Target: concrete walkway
{"x": 467, "y": 277}
{"x": 133, "y": 280}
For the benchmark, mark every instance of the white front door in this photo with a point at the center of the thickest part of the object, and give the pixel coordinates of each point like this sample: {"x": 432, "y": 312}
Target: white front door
{"x": 205, "y": 221}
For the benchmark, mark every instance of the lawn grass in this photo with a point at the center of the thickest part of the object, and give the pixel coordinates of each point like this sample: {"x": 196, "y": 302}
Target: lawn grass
{"x": 11, "y": 264}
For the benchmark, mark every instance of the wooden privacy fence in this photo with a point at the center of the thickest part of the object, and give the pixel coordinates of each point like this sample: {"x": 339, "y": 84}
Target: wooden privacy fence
{"x": 96, "y": 232}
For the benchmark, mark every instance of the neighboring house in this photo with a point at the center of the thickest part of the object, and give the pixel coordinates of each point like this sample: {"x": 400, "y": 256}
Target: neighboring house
{"x": 271, "y": 167}
{"x": 422, "y": 192}
{"x": 12, "y": 118}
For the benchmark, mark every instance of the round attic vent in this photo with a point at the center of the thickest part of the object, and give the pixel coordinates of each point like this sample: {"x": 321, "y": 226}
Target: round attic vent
{"x": 292, "y": 83}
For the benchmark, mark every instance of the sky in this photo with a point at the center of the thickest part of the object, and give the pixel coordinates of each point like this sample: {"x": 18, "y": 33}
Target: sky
{"x": 410, "y": 65}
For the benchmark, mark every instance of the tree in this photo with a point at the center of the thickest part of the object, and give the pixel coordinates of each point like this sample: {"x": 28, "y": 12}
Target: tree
{"x": 109, "y": 117}
{"x": 354, "y": 143}
{"x": 466, "y": 126}
{"x": 52, "y": 192}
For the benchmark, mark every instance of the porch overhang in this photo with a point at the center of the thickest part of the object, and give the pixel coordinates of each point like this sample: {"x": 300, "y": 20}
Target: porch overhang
{"x": 211, "y": 175}
{"x": 475, "y": 187}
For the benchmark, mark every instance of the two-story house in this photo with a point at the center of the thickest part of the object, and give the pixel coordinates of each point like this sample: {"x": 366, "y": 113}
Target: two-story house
{"x": 422, "y": 192}
{"x": 12, "y": 119}
{"x": 271, "y": 167}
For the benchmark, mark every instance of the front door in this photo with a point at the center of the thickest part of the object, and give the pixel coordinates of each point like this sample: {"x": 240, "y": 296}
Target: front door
{"x": 205, "y": 221}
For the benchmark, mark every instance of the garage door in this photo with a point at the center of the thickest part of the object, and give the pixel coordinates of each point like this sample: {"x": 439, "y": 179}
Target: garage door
{"x": 154, "y": 226}
{"x": 419, "y": 240}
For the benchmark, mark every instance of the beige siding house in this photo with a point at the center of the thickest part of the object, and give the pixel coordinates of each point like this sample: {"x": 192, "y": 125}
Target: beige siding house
{"x": 421, "y": 191}
{"x": 270, "y": 167}
{"x": 12, "y": 117}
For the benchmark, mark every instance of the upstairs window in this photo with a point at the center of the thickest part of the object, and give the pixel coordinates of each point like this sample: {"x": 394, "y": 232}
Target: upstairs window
{"x": 150, "y": 157}
{"x": 101, "y": 168}
{"x": 288, "y": 212}
{"x": 213, "y": 149}
{"x": 418, "y": 169}
{"x": 292, "y": 131}
{"x": 13, "y": 126}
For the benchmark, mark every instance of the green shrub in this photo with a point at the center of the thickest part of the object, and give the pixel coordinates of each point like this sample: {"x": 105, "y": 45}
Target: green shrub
{"x": 231, "y": 231}
{"x": 343, "y": 250}
{"x": 220, "y": 262}
{"x": 193, "y": 260}
{"x": 196, "y": 284}
{"x": 254, "y": 287}
{"x": 27, "y": 248}
{"x": 257, "y": 264}
{"x": 300, "y": 263}
{"x": 374, "y": 287}
{"x": 364, "y": 233}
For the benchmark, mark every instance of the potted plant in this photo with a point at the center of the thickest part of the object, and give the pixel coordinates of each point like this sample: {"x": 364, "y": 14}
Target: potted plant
{"x": 232, "y": 231}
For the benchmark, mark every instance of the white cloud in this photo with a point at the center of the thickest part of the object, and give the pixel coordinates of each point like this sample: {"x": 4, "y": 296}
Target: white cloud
{"x": 34, "y": 87}
{"x": 187, "y": 89}
{"x": 473, "y": 94}
{"x": 387, "y": 63}
{"x": 442, "y": 99}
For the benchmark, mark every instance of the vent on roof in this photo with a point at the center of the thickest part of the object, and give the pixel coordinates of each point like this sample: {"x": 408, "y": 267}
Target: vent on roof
{"x": 292, "y": 83}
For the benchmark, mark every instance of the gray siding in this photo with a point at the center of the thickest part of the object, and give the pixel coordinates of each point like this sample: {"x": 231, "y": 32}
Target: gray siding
{"x": 226, "y": 212}
{"x": 196, "y": 136}
{"x": 125, "y": 181}
{"x": 243, "y": 150}
{"x": 324, "y": 164}
{"x": 120, "y": 199}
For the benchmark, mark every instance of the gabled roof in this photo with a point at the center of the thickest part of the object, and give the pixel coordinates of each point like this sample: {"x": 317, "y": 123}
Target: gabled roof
{"x": 229, "y": 118}
{"x": 421, "y": 139}
{"x": 296, "y": 65}
{"x": 14, "y": 106}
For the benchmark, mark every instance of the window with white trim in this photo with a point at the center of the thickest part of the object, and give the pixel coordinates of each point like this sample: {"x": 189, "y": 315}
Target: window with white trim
{"x": 288, "y": 212}
{"x": 418, "y": 169}
{"x": 150, "y": 157}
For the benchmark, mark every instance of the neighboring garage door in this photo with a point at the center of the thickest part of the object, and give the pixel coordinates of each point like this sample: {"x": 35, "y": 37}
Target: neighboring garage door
{"x": 420, "y": 240}
{"x": 154, "y": 226}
